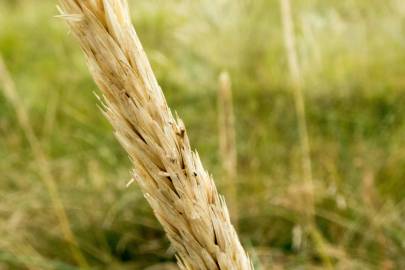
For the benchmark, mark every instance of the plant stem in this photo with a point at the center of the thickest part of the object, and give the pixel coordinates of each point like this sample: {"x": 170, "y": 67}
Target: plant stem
{"x": 41, "y": 161}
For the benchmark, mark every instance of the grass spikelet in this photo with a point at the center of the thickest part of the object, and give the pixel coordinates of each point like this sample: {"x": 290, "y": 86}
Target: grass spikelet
{"x": 227, "y": 141}
{"x": 182, "y": 194}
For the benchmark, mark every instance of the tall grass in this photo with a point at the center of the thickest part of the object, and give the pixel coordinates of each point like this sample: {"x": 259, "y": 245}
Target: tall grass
{"x": 307, "y": 188}
{"x": 350, "y": 55}
{"x": 296, "y": 84}
{"x": 41, "y": 161}
{"x": 227, "y": 143}
{"x": 182, "y": 194}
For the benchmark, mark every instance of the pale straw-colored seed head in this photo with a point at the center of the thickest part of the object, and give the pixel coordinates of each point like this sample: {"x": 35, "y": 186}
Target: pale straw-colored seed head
{"x": 182, "y": 194}
{"x": 227, "y": 143}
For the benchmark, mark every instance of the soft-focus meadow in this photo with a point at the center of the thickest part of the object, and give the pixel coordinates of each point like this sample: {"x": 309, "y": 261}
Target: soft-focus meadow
{"x": 352, "y": 58}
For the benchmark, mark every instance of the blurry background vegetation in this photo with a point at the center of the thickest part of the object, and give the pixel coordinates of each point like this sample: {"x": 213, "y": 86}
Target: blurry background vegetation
{"x": 352, "y": 56}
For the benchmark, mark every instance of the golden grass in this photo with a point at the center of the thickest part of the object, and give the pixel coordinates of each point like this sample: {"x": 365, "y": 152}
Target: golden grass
{"x": 296, "y": 81}
{"x": 307, "y": 187}
{"x": 227, "y": 143}
{"x": 182, "y": 194}
{"x": 41, "y": 159}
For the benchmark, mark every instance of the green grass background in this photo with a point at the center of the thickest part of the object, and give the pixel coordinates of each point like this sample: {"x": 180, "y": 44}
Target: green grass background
{"x": 352, "y": 57}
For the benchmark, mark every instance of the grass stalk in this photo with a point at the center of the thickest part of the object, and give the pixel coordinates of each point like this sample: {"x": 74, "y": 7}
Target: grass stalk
{"x": 171, "y": 176}
{"x": 227, "y": 142}
{"x": 298, "y": 93}
{"x": 296, "y": 83}
{"x": 41, "y": 160}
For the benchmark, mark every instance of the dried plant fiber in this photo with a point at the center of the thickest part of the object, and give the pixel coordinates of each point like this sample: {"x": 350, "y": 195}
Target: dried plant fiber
{"x": 180, "y": 191}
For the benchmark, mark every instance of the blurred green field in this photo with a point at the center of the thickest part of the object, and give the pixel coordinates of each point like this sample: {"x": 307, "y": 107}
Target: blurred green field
{"x": 352, "y": 56}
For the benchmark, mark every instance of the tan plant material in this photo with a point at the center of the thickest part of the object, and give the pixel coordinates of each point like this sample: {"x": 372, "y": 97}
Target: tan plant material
{"x": 307, "y": 197}
{"x": 41, "y": 160}
{"x": 296, "y": 81}
{"x": 227, "y": 142}
{"x": 368, "y": 191}
{"x": 182, "y": 194}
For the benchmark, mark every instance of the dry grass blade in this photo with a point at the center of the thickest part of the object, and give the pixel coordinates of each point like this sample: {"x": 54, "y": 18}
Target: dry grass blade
{"x": 295, "y": 74}
{"x": 296, "y": 81}
{"x": 182, "y": 194}
{"x": 41, "y": 160}
{"x": 227, "y": 142}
